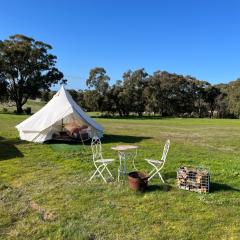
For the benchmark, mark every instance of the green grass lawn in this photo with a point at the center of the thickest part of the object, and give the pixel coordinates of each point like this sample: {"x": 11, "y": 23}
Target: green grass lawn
{"x": 35, "y": 106}
{"x": 45, "y": 193}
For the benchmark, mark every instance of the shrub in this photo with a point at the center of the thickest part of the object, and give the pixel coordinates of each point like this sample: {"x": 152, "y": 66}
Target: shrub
{"x": 28, "y": 110}
{"x": 194, "y": 115}
{"x": 185, "y": 115}
{"x": 5, "y": 110}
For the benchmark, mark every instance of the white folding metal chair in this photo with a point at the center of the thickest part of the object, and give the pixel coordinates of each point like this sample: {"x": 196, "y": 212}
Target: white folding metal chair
{"x": 99, "y": 162}
{"x": 158, "y": 164}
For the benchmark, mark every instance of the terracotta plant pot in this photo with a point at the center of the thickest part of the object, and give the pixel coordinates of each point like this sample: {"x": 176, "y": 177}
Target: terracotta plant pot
{"x": 138, "y": 181}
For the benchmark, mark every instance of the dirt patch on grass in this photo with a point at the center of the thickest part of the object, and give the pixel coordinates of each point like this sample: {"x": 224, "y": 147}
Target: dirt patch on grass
{"x": 46, "y": 215}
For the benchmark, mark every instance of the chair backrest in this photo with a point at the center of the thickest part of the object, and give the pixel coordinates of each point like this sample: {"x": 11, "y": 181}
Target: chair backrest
{"x": 96, "y": 148}
{"x": 165, "y": 151}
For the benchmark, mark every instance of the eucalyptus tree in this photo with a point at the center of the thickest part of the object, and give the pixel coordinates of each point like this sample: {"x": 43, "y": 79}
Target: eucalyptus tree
{"x": 117, "y": 99}
{"x": 134, "y": 83}
{"x": 233, "y": 97}
{"x": 199, "y": 92}
{"x": 26, "y": 66}
{"x": 212, "y": 94}
{"x": 98, "y": 82}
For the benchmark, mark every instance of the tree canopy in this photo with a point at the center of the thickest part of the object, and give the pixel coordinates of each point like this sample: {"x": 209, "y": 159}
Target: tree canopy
{"x": 26, "y": 67}
{"x": 162, "y": 93}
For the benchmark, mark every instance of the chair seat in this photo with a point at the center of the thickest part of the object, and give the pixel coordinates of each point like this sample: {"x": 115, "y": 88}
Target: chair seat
{"x": 154, "y": 161}
{"x": 104, "y": 161}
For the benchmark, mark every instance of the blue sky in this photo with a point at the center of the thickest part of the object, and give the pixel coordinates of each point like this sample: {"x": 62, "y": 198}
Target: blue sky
{"x": 196, "y": 37}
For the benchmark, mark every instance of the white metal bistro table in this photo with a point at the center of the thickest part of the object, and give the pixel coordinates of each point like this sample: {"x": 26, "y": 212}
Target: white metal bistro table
{"x": 125, "y": 152}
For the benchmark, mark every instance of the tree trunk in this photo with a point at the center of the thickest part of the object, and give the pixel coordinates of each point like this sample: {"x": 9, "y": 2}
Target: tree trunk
{"x": 199, "y": 112}
{"x": 19, "y": 108}
{"x": 211, "y": 112}
{"x": 120, "y": 113}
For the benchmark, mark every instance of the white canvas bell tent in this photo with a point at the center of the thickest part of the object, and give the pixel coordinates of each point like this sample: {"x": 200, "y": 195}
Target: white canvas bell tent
{"x": 41, "y": 126}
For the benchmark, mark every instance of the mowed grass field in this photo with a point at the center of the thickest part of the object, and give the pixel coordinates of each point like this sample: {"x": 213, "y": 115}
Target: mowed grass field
{"x": 33, "y": 104}
{"x": 45, "y": 192}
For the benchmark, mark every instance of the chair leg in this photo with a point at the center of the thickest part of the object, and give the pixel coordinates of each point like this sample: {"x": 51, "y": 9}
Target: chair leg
{"x": 96, "y": 171}
{"x": 151, "y": 172}
{"x": 152, "y": 175}
{"x": 154, "y": 172}
{"x": 100, "y": 172}
{"x": 109, "y": 172}
{"x": 160, "y": 177}
{"x": 105, "y": 167}
{"x": 93, "y": 175}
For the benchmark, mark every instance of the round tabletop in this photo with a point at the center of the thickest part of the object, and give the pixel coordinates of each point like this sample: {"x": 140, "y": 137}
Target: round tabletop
{"x": 124, "y": 147}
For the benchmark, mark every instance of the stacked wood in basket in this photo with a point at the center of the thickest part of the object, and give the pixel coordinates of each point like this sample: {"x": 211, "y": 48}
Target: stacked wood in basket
{"x": 193, "y": 179}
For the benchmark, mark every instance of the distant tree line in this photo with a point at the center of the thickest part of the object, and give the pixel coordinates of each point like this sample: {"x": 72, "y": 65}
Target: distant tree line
{"x": 28, "y": 70}
{"x": 162, "y": 93}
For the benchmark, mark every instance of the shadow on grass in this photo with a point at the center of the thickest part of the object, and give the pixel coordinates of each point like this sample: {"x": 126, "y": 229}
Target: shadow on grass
{"x": 219, "y": 187}
{"x": 67, "y": 142}
{"x": 8, "y": 149}
{"x": 170, "y": 175}
{"x": 154, "y": 188}
{"x": 109, "y": 138}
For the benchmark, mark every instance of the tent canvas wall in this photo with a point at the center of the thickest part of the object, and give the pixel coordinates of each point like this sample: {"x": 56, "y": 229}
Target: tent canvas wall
{"x": 48, "y": 120}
